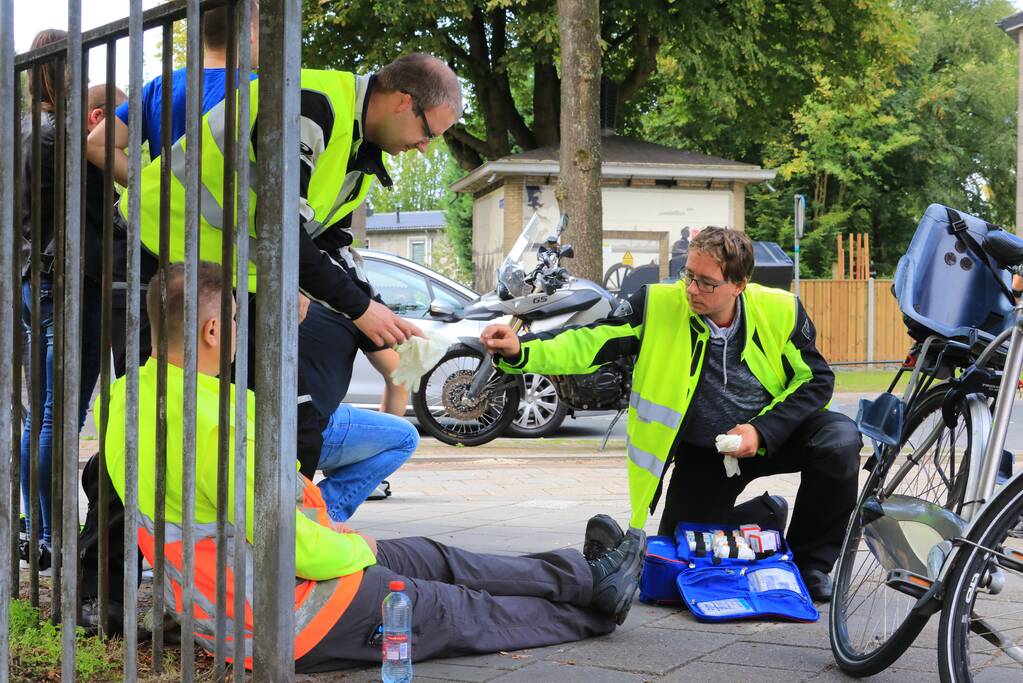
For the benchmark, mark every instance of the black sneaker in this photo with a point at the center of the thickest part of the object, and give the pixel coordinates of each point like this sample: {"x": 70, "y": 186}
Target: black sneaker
{"x": 616, "y": 576}
{"x": 381, "y": 492}
{"x": 44, "y": 553}
{"x": 602, "y": 535}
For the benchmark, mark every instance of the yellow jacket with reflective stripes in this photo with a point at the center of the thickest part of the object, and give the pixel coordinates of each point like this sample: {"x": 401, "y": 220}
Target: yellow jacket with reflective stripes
{"x": 329, "y": 191}
{"x": 670, "y": 341}
{"x": 328, "y": 565}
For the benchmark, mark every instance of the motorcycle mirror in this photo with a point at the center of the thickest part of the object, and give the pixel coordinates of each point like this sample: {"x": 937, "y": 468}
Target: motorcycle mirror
{"x": 566, "y": 251}
{"x": 563, "y": 223}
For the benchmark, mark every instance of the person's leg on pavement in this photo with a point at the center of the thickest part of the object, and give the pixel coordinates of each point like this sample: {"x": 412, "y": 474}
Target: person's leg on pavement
{"x": 557, "y": 575}
{"x": 395, "y": 398}
{"x": 92, "y": 322}
{"x": 699, "y": 490}
{"x": 825, "y": 450}
{"x": 449, "y": 620}
{"x": 360, "y": 449}
{"x": 46, "y": 417}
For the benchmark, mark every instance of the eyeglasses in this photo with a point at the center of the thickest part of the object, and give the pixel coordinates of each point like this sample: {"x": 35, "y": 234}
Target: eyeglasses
{"x": 418, "y": 111}
{"x": 704, "y": 286}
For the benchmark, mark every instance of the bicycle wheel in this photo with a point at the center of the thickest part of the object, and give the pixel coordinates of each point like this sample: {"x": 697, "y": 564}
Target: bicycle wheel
{"x": 980, "y": 637}
{"x": 871, "y": 624}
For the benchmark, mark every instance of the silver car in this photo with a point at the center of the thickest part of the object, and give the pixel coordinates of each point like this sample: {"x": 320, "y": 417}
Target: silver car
{"x": 412, "y": 290}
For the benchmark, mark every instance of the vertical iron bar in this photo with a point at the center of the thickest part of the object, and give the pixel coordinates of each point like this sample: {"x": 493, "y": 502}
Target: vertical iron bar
{"x": 36, "y": 361}
{"x": 72, "y": 358}
{"x": 16, "y": 352}
{"x": 280, "y": 41}
{"x": 166, "y": 122}
{"x": 7, "y": 202}
{"x": 106, "y": 343}
{"x": 241, "y": 361}
{"x": 57, "y": 370}
{"x": 132, "y": 287}
{"x": 193, "y": 135}
{"x": 226, "y": 315}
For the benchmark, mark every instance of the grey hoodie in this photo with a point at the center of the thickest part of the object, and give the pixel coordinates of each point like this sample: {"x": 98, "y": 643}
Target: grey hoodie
{"x": 728, "y": 393}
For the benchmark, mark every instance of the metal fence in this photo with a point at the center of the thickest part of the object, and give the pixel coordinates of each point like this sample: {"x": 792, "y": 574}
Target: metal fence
{"x": 271, "y": 579}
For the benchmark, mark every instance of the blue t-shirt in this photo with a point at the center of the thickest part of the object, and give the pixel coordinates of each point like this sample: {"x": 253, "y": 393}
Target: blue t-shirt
{"x": 212, "y": 94}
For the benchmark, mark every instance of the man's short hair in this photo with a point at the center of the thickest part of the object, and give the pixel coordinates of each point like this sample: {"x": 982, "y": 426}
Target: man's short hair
{"x": 731, "y": 249}
{"x": 97, "y": 97}
{"x": 427, "y": 79}
{"x": 209, "y": 279}
{"x": 214, "y": 25}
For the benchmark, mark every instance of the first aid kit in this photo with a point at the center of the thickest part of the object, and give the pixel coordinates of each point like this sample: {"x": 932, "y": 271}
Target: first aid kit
{"x": 722, "y": 573}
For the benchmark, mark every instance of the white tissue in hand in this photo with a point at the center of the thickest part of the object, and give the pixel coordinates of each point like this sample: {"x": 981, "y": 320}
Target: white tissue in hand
{"x": 731, "y": 466}
{"x": 416, "y": 357}
{"x": 727, "y": 443}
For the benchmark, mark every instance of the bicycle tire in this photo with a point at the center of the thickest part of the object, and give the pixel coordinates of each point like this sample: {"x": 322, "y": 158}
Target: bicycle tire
{"x": 997, "y": 527}
{"x": 873, "y": 652}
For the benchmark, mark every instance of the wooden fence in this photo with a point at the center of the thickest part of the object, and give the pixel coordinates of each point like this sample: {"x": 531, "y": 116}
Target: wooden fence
{"x": 840, "y": 311}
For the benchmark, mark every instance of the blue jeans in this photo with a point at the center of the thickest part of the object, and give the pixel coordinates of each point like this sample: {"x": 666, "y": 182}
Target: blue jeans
{"x": 90, "y": 336}
{"x": 360, "y": 449}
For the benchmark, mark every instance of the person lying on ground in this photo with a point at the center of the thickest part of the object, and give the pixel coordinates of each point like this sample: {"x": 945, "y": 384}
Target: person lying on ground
{"x": 462, "y": 602}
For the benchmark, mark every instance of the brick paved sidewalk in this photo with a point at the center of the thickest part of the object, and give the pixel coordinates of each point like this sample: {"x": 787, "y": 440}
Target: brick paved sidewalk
{"x": 526, "y": 496}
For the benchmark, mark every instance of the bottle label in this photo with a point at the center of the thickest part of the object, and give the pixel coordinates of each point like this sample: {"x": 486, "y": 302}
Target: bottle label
{"x": 395, "y": 651}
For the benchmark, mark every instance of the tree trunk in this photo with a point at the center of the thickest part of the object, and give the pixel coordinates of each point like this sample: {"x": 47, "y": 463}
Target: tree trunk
{"x": 579, "y": 181}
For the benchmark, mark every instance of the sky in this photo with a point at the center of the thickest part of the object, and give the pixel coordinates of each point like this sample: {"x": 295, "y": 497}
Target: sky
{"x": 32, "y": 16}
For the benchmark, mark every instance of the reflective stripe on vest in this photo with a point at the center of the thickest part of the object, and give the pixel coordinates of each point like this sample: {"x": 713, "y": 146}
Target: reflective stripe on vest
{"x": 668, "y": 369}
{"x": 318, "y": 604}
{"x": 331, "y": 194}
{"x": 648, "y": 411}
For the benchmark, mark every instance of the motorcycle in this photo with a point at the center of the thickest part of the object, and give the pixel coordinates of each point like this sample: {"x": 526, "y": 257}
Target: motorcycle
{"x": 465, "y": 399}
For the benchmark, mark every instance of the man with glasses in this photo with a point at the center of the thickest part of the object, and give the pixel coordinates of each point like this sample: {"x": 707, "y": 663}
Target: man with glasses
{"x": 716, "y": 355}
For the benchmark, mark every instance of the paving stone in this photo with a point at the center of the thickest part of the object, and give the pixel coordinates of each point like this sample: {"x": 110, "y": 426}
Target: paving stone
{"x": 678, "y": 619}
{"x": 645, "y": 650}
{"x": 893, "y": 675}
{"x": 504, "y": 661}
{"x": 773, "y": 656}
{"x": 542, "y": 672}
{"x": 716, "y": 672}
{"x": 445, "y": 670}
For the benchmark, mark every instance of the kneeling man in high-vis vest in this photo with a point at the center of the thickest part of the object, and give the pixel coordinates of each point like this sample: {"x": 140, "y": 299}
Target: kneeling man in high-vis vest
{"x": 717, "y": 355}
{"x": 462, "y": 602}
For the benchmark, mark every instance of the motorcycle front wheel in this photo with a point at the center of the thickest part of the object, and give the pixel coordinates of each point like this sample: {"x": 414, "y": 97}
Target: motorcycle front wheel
{"x": 445, "y": 414}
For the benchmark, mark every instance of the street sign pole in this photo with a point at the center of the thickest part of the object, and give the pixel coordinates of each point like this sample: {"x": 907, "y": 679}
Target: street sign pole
{"x": 798, "y": 219}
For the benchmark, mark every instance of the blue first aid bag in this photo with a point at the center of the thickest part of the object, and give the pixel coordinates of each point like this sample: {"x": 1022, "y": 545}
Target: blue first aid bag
{"x": 722, "y": 589}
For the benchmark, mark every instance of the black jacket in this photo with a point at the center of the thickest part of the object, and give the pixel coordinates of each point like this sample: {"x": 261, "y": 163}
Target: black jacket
{"x": 92, "y": 229}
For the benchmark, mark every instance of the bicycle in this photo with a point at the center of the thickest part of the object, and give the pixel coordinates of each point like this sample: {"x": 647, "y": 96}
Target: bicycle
{"x": 931, "y": 474}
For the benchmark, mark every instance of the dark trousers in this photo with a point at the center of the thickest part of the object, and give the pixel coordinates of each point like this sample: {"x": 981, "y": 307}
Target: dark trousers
{"x": 464, "y": 603}
{"x": 824, "y": 450}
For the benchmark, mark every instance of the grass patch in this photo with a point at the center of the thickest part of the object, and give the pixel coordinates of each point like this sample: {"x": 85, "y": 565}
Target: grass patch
{"x": 867, "y": 381}
{"x": 35, "y": 649}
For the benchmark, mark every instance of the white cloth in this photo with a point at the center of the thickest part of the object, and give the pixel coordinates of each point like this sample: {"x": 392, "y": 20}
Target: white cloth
{"x": 729, "y": 443}
{"x": 417, "y": 356}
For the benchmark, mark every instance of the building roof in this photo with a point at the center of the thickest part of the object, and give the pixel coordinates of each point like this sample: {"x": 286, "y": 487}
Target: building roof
{"x": 1012, "y": 24}
{"x": 621, "y": 157}
{"x": 404, "y": 221}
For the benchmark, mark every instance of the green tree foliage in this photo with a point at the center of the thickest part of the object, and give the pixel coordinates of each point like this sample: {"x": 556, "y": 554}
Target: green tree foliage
{"x": 419, "y": 181}
{"x": 928, "y": 117}
{"x": 873, "y": 109}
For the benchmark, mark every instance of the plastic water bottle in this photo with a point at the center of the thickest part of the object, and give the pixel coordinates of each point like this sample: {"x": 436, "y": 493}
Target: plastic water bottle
{"x": 397, "y": 654}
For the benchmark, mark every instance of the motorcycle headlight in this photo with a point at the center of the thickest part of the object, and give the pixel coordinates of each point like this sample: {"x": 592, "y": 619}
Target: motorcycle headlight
{"x": 513, "y": 279}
